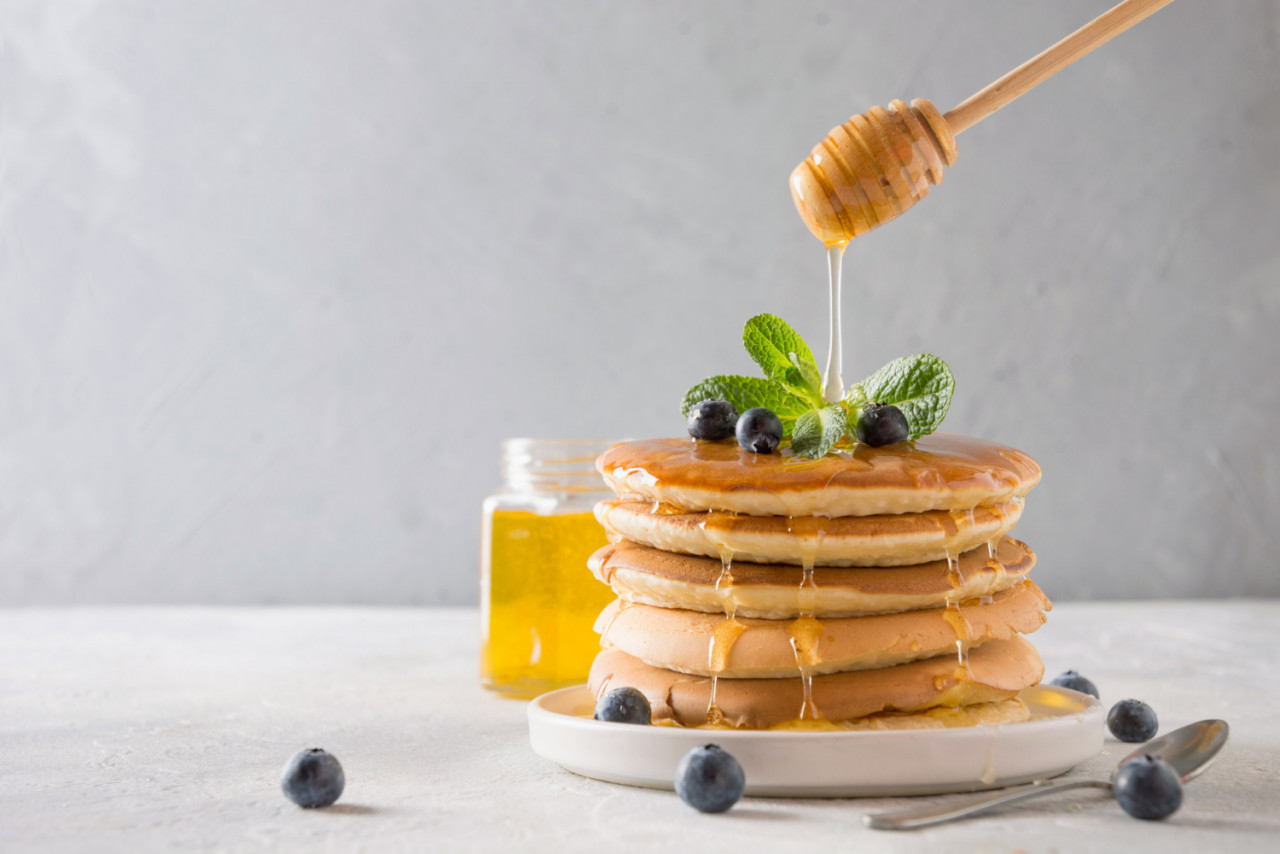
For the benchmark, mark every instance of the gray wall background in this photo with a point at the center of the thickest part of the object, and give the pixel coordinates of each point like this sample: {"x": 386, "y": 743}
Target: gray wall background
{"x": 276, "y": 278}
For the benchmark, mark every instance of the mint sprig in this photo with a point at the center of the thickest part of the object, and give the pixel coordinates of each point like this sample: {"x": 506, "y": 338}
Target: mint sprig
{"x": 920, "y": 386}
{"x": 818, "y": 430}
{"x": 783, "y": 356}
{"x": 747, "y": 393}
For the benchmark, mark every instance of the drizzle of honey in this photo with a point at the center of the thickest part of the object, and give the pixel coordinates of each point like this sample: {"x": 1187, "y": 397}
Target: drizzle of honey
{"x": 715, "y": 717}
{"x": 727, "y": 633}
{"x": 724, "y": 585}
{"x": 954, "y": 576}
{"x": 833, "y": 385}
{"x": 954, "y": 617}
{"x": 805, "y": 634}
{"x": 722, "y": 641}
{"x": 717, "y": 524}
{"x": 808, "y": 532}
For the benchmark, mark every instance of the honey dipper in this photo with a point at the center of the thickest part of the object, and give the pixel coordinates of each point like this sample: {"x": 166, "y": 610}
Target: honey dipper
{"x": 878, "y": 164}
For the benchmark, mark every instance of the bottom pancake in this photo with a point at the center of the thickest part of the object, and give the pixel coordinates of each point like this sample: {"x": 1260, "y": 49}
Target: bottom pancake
{"x": 939, "y": 717}
{"x": 996, "y": 671}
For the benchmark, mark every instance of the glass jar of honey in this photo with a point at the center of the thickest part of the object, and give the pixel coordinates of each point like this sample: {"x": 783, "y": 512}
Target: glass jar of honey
{"x": 538, "y": 600}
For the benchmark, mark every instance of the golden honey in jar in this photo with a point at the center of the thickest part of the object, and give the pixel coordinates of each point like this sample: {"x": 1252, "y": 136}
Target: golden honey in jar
{"x": 538, "y": 600}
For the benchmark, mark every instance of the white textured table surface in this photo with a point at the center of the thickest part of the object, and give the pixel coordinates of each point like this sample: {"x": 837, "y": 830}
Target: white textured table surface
{"x": 164, "y": 728}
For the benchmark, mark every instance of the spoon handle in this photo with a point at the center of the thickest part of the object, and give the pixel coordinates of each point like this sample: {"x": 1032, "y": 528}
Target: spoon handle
{"x": 934, "y": 814}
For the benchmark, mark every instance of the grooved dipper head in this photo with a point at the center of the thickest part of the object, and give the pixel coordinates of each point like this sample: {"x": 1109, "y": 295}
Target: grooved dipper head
{"x": 871, "y": 169}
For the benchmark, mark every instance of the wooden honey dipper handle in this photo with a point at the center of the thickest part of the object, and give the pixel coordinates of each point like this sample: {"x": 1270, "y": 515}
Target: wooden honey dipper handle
{"x": 1039, "y": 68}
{"x": 877, "y": 165}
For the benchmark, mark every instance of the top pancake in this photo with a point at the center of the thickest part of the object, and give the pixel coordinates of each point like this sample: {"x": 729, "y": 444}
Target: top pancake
{"x": 942, "y": 471}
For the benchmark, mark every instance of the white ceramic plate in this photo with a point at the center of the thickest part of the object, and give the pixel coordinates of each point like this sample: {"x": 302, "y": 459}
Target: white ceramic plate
{"x": 1065, "y": 729}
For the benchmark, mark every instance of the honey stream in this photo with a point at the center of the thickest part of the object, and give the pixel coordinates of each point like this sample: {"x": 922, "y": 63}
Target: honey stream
{"x": 716, "y": 525}
{"x": 805, "y": 633}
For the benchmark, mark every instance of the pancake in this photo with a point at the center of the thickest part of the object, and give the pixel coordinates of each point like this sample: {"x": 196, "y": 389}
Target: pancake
{"x": 772, "y": 591}
{"x": 997, "y": 671}
{"x": 896, "y": 540}
{"x": 942, "y": 471}
{"x": 703, "y": 644}
{"x": 942, "y": 717}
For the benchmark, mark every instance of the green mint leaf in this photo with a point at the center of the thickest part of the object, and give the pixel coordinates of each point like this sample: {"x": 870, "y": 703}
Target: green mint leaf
{"x": 920, "y": 386}
{"x": 783, "y": 356}
{"x": 817, "y": 431}
{"x": 747, "y": 393}
{"x": 805, "y": 374}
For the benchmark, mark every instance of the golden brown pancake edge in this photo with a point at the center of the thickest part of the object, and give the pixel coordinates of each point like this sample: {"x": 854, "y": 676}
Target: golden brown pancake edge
{"x": 941, "y": 471}
{"x": 997, "y": 671}
{"x": 688, "y": 641}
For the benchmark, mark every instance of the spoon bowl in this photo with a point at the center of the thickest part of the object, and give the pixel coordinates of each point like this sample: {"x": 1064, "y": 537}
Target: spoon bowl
{"x": 1189, "y": 750}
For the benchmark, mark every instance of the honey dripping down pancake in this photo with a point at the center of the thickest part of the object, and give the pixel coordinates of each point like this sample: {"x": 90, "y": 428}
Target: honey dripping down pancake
{"x": 881, "y": 540}
{"x": 751, "y": 648}
{"x": 941, "y": 471}
{"x": 996, "y": 671}
{"x": 649, "y": 576}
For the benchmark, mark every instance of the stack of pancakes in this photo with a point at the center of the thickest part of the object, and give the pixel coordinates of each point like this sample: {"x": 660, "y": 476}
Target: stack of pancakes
{"x": 871, "y": 588}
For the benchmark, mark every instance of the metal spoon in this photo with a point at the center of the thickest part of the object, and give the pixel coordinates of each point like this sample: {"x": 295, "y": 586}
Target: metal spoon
{"x": 1189, "y": 749}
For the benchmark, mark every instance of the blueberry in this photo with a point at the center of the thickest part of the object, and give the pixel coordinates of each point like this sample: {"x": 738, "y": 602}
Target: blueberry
{"x": 759, "y": 430}
{"x": 882, "y": 424}
{"x": 1148, "y": 787}
{"x": 313, "y": 778}
{"x": 624, "y": 706}
{"x": 1132, "y": 721}
{"x": 712, "y": 419}
{"x": 1075, "y": 682}
{"x": 709, "y": 779}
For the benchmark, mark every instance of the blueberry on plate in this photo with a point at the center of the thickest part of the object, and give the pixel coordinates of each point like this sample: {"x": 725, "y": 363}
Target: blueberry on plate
{"x": 712, "y": 419}
{"x": 882, "y": 424}
{"x": 709, "y": 779}
{"x": 1147, "y": 787}
{"x": 1132, "y": 721}
{"x": 313, "y": 778}
{"x": 759, "y": 430}
{"x": 1074, "y": 681}
{"x": 624, "y": 706}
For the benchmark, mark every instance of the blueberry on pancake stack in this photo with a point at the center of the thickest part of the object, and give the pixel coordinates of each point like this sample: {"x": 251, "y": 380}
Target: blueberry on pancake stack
{"x": 871, "y": 587}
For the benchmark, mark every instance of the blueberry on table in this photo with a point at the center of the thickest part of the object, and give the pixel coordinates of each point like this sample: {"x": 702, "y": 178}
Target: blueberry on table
{"x": 313, "y": 778}
{"x": 1147, "y": 787}
{"x": 712, "y": 419}
{"x": 709, "y": 779}
{"x": 759, "y": 430}
{"x": 1074, "y": 681}
{"x": 624, "y": 706}
{"x": 882, "y": 424}
{"x": 1132, "y": 721}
